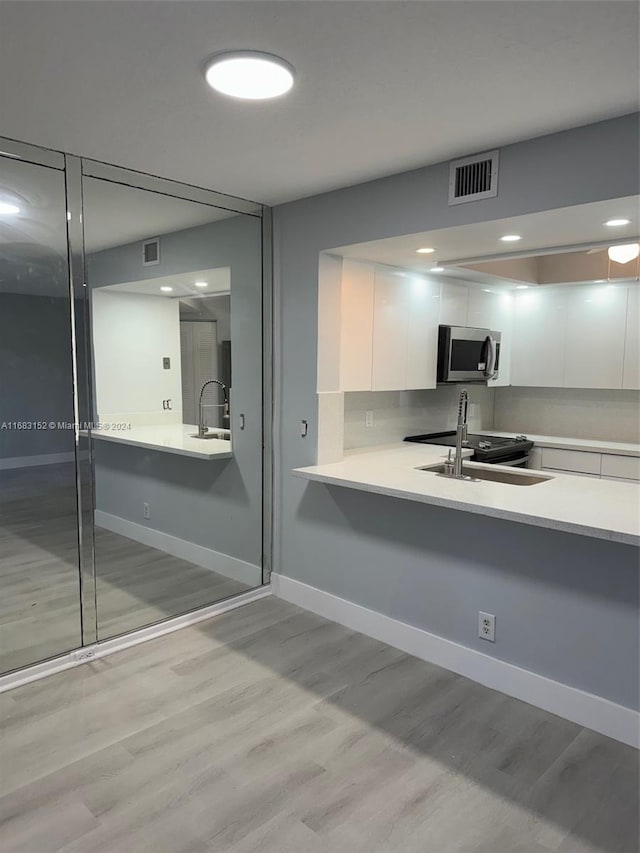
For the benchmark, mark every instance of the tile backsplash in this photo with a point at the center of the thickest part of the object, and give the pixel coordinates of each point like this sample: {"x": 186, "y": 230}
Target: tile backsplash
{"x": 607, "y": 415}
{"x": 397, "y": 414}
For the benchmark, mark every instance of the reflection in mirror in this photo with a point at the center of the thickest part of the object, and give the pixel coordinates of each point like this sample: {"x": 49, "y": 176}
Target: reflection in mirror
{"x": 175, "y": 291}
{"x": 39, "y": 576}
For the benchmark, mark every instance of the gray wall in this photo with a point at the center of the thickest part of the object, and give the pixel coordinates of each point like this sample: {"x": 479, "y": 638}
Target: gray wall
{"x": 35, "y": 373}
{"x": 216, "y": 504}
{"x": 430, "y": 567}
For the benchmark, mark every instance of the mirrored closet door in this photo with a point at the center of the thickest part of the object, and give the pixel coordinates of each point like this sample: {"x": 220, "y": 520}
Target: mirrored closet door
{"x": 133, "y": 473}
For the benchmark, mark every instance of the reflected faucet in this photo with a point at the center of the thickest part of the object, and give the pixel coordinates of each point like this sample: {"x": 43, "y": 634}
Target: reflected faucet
{"x": 202, "y": 427}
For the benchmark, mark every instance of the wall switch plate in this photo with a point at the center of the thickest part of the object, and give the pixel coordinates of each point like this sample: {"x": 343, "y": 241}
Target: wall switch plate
{"x": 368, "y": 418}
{"x": 166, "y": 363}
{"x": 146, "y": 510}
{"x": 487, "y": 626}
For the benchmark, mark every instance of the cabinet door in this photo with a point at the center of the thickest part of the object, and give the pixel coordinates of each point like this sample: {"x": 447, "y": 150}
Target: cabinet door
{"x": 423, "y": 305}
{"x": 488, "y": 310}
{"x": 454, "y": 305}
{"x": 631, "y": 370}
{"x": 596, "y": 320}
{"x": 356, "y": 326}
{"x": 538, "y": 344}
{"x": 390, "y": 331}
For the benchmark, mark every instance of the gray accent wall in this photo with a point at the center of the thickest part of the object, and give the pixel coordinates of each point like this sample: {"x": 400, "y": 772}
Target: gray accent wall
{"x": 213, "y": 503}
{"x": 35, "y": 374}
{"x": 431, "y": 567}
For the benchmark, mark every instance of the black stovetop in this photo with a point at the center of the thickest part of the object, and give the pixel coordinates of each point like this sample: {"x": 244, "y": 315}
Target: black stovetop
{"x": 495, "y": 448}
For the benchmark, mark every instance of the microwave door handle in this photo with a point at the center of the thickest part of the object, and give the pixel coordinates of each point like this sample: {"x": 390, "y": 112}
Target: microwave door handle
{"x": 491, "y": 360}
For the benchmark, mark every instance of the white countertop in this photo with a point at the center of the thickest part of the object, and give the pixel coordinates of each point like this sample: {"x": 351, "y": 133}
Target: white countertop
{"x": 169, "y": 438}
{"x": 562, "y": 442}
{"x": 603, "y": 509}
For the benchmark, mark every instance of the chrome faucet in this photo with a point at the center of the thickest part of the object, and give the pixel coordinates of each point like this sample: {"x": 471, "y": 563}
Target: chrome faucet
{"x": 461, "y": 433}
{"x": 202, "y": 427}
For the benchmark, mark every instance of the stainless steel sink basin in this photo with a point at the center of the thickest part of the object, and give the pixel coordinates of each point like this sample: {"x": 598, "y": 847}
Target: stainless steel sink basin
{"x": 221, "y": 436}
{"x": 514, "y": 477}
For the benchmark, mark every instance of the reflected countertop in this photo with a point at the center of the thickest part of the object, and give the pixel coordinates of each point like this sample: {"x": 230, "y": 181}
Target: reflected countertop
{"x": 169, "y": 438}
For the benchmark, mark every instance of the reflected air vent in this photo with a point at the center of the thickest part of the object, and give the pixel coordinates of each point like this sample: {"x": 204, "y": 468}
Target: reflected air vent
{"x": 473, "y": 178}
{"x": 151, "y": 252}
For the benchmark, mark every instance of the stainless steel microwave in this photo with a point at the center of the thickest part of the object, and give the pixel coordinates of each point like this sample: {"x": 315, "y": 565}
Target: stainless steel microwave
{"x": 467, "y": 355}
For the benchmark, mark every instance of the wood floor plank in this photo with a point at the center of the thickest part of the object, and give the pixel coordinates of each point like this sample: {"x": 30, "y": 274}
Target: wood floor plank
{"x": 270, "y": 729}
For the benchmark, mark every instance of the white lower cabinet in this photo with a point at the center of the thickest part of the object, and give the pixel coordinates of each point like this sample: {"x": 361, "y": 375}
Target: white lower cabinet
{"x": 581, "y": 463}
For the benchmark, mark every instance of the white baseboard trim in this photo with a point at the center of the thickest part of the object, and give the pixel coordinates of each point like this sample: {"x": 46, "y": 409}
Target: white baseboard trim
{"x": 586, "y": 709}
{"x": 33, "y": 461}
{"x": 206, "y": 558}
{"x": 117, "y": 644}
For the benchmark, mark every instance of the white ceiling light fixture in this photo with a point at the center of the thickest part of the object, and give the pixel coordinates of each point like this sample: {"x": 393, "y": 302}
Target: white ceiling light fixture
{"x": 201, "y": 284}
{"x": 7, "y": 209}
{"x": 511, "y": 238}
{"x": 624, "y": 254}
{"x": 426, "y": 250}
{"x": 166, "y": 289}
{"x": 617, "y": 223}
{"x": 249, "y": 75}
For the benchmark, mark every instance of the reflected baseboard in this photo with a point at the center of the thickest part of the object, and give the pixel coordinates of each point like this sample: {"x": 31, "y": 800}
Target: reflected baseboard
{"x": 206, "y": 558}
{"x": 87, "y": 654}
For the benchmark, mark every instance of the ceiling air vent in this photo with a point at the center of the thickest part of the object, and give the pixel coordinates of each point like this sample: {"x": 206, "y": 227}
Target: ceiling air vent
{"x": 151, "y": 252}
{"x": 473, "y": 178}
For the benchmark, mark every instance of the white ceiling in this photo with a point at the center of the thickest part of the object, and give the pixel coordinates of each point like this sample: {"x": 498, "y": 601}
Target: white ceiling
{"x": 567, "y": 226}
{"x": 381, "y": 86}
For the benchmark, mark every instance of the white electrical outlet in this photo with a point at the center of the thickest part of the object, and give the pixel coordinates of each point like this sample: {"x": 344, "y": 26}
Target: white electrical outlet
{"x": 83, "y": 654}
{"x": 368, "y": 418}
{"x": 146, "y": 510}
{"x": 487, "y": 626}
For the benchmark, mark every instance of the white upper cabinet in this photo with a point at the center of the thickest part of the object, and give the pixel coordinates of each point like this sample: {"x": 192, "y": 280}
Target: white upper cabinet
{"x": 356, "y": 325}
{"x": 390, "y": 331}
{"x": 631, "y": 369}
{"x": 423, "y": 300}
{"x": 490, "y": 310}
{"x": 596, "y": 318}
{"x": 454, "y": 305}
{"x": 538, "y": 346}
{"x": 405, "y": 331}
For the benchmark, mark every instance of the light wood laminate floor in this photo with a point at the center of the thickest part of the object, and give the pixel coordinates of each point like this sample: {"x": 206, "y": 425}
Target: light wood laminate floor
{"x": 270, "y": 729}
{"x": 39, "y": 581}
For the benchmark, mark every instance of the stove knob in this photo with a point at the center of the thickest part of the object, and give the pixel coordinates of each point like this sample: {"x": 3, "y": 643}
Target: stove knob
{"x": 484, "y": 445}
{"x": 521, "y": 438}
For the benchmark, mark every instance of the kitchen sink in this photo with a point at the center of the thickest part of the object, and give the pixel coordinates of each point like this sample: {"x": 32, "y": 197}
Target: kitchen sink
{"x": 514, "y": 477}
{"x": 221, "y": 436}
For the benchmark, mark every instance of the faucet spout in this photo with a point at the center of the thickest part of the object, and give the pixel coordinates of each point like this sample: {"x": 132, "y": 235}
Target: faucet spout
{"x": 461, "y": 433}
{"x": 202, "y": 427}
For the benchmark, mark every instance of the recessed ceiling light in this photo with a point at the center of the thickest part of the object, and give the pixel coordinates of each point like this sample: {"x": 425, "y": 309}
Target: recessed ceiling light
{"x": 624, "y": 254}
{"x": 616, "y": 223}
{"x": 250, "y": 75}
{"x": 511, "y": 238}
{"x": 166, "y": 289}
{"x": 486, "y": 290}
{"x": 426, "y": 250}
{"x": 7, "y": 209}
{"x": 437, "y": 269}
{"x": 522, "y": 287}
{"x": 202, "y": 284}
